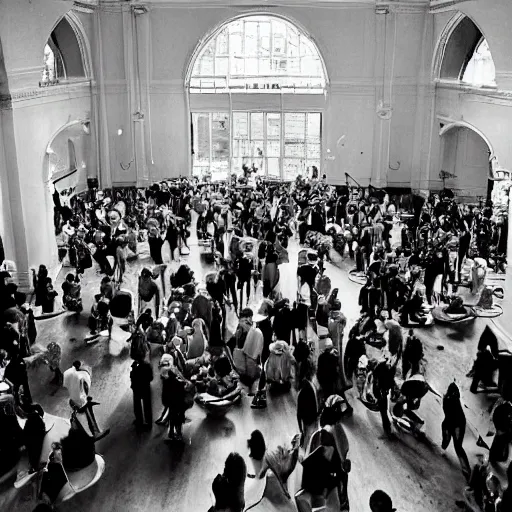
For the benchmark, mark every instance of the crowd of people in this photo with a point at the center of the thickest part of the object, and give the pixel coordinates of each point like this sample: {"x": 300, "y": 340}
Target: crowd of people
{"x": 409, "y": 255}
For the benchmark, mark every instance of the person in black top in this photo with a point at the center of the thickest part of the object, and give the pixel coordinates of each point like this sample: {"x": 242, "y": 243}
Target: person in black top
{"x": 454, "y": 427}
{"x": 141, "y": 376}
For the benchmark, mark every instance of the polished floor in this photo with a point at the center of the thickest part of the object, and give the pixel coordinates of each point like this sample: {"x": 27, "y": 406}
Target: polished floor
{"x": 143, "y": 473}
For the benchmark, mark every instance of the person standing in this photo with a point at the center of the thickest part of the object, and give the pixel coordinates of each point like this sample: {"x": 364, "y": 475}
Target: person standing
{"x": 141, "y": 376}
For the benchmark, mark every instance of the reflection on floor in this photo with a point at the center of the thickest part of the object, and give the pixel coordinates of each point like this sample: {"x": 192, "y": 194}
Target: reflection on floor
{"x": 145, "y": 474}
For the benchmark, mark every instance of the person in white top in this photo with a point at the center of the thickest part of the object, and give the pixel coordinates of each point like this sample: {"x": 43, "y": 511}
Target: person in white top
{"x": 77, "y": 380}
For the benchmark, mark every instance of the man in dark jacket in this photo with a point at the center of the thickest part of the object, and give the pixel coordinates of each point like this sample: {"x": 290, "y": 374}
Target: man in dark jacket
{"x": 141, "y": 376}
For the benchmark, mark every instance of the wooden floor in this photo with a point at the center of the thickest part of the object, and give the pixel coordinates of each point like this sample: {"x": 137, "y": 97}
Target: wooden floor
{"x": 143, "y": 473}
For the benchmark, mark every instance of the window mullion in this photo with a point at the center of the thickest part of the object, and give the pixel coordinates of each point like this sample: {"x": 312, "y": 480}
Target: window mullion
{"x": 265, "y": 134}
{"x": 210, "y": 126}
{"x": 281, "y": 163}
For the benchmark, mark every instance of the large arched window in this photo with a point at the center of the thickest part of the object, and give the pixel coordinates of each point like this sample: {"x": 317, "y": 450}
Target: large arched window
{"x": 464, "y": 55}
{"x": 269, "y": 83}
{"x": 258, "y": 54}
{"x": 480, "y": 70}
{"x": 63, "y": 55}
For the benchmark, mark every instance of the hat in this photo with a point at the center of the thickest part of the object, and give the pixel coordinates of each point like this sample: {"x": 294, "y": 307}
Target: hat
{"x": 264, "y": 311}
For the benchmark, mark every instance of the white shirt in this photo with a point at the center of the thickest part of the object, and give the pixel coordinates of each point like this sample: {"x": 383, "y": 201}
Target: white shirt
{"x": 76, "y": 381}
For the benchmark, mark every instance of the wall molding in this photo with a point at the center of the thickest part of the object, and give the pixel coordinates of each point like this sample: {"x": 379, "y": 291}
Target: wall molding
{"x": 437, "y": 6}
{"x": 480, "y": 95}
{"x": 27, "y": 97}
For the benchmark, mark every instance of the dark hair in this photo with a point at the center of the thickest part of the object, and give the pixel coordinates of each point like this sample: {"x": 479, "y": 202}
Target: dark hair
{"x": 382, "y": 500}
{"x": 246, "y": 313}
{"x": 256, "y": 444}
{"x": 77, "y": 364}
{"x": 222, "y": 366}
{"x": 20, "y": 298}
{"x": 235, "y": 470}
{"x": 70, "y": 277}
{"x": 330, "y": 416}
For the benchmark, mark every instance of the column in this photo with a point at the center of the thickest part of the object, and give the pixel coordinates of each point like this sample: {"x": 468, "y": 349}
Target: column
{"x": 385, "y": 36}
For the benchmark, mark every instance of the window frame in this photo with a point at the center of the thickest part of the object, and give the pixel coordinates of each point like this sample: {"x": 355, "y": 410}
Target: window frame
{"x": 273, "y": 82}
{"x": 236, "y": 167}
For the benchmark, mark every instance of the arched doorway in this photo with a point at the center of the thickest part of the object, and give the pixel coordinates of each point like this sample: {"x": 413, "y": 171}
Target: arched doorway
{"x": 256, "y": 88}
{"x": 466, "y": 163}
{"x": 65, "y": 172}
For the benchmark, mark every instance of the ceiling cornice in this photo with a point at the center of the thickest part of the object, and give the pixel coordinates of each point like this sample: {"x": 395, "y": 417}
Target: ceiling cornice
{"x": 445, "y": 5}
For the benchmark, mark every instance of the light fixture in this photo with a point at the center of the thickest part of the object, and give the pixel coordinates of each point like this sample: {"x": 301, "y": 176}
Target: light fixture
{"x": 120, "y": 132}
{"x": 86, "y": 127}
{"x": 49, "y": 151}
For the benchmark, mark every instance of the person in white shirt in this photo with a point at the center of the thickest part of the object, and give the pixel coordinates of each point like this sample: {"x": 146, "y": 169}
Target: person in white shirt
{"x": 77, "y": 380}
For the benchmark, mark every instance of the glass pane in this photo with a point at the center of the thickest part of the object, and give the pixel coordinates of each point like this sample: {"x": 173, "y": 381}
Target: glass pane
{"x": 206, "y": 63}
{"x": 237, "y": 66}
{"x": 240, "y": 126}
{"x": 201, "y": 124}
{"x": 240, "y": 148}
{"x": 273, "y": 167}
{"x": 273, "y": 126}
{"x": 257, "y": 125}
{"x": 257, "y": 148}
{"x": 221, "y": 66}
{"x": 294, "y": 126}
{"x": 251, "y": 38}
{"x": 293, "y": 168}
{"x": 251, "y": 67}
{"x": 273, "y": 148}
{"x": 264, "y": 48}
{"x": 222, "y": 43}
{"x": 220, "y": 138}
{"x": 313, "y": 128}
{"x": 295, "y": 149}
{"x": 313, "y": 152}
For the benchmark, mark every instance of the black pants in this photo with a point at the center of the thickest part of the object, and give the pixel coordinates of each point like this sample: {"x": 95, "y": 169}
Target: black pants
{"x": 142, "y": 400}
{"x": 456, "y": 434}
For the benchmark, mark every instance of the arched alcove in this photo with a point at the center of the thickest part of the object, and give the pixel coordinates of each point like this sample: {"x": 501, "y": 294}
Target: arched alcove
{"x": 256, "y": 87}
{"x": 66, "y": 54}
{"x": 463, "y": 55}
{"x": 466, "y": 161}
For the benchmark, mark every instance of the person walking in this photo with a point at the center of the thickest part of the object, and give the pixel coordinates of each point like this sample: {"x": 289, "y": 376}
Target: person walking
{"x": 141, "y": 376}
{"x": 454, "y": 427}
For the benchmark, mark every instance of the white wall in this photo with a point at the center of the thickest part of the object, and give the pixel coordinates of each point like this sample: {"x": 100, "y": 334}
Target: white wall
{"x": 31, "y": 121}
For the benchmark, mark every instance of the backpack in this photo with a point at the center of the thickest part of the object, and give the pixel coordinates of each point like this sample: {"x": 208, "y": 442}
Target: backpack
{"x": 138, "y": 346}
